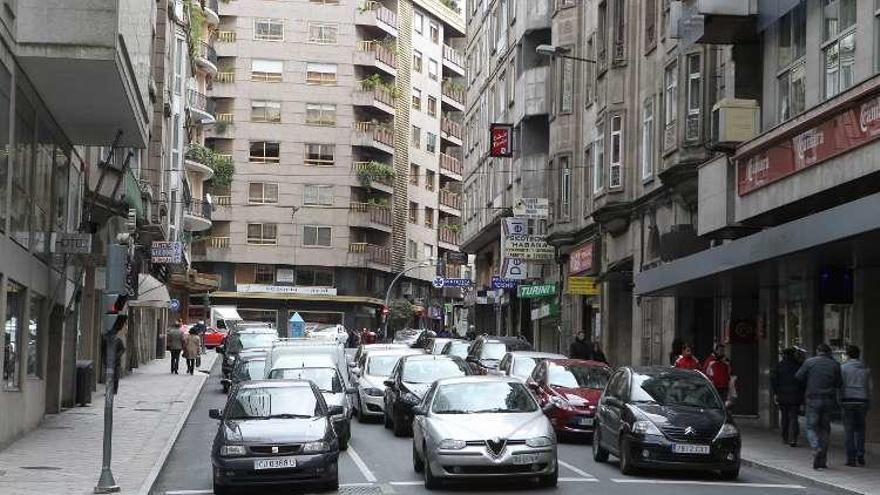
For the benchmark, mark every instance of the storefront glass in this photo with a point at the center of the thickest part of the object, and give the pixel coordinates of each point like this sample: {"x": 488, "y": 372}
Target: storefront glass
{"x": 15, "y": 294}
{"x": 36, "y": 330}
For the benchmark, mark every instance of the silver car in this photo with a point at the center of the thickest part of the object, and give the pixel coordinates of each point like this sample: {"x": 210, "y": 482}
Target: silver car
{"x": 369, "y": 378}
{"x": 482, "y": 427}
{"x": 520, "y": 364}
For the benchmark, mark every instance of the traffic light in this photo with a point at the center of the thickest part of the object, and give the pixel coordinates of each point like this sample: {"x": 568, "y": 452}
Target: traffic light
{"x": 116, "y": 289}
{"x": 114, "y": 315}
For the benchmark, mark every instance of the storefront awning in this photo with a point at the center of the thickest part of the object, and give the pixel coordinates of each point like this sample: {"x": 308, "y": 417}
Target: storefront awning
{"x": 151, "y": 293}
{"x": 821, "y": 229}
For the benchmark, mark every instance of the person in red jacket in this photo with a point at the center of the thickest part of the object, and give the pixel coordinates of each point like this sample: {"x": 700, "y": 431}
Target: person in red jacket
{"x": 717, "y": 368}
{"x": 687, "y": 361}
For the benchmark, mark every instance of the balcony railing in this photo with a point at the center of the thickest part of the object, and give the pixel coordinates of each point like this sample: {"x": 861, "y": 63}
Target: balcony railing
{"x": 207, "y": 52}
{"x": 199, "y": 208}
{"x": 378, "y": 214}
{"x": 453, "y": 56}
{"x": 454, "y": 92}
{"x": 381, "y": 133}
{"x": 449, "y": 236}
{"x": 373, "y": 253}
{"x": 384, "y": 55}
{"x": 381, "y": 94}
{"x": 201, "y": 102}
{"x": 451, "y": 128}
{"x": 226, "y": 117}
{"x": 383, "y": 13}
{"x": 223, "y": 200}
{"x": 450, "y": 163}
{"x": 226, "y": 36}
{"x": 226, "y": 77}
{"x": 450, "y": 199}
{"x": 217, "y": 242}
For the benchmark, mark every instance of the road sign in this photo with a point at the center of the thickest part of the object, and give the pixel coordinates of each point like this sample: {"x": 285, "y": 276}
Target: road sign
{"x": 457, "y": 282}
{"x": 532, "y": 208}
{"x": 438, "y": 282}
{"x": 535, "y": 291}
{"x": 502, "y": 283}
{"x": 174, "y": 305}
{"x": 165, "y": 253}
{"x": 72, "y": 243}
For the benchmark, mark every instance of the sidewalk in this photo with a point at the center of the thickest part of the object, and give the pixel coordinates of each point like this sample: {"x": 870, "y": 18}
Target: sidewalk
{"x": 764, "y": 449}
{"x": 63, "y": 455}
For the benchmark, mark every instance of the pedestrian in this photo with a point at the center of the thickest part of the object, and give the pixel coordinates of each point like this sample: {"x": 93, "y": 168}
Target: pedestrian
{"x": 822, "y": 380}
{"x": 117, "y": 371}
{"x": 677, "y": 345}
{"x": 201, "y": 329}
{"x": 175, "y": 344}
{"x": 717, "y": 368}
{"x": 686, "y": 360}
{"x": 788, "y": 392}
{"x": 580, "y": 348}
{"x": 855, "y": 399}
{"x": 192, "y": 350}
{"x": 598, "y": 355}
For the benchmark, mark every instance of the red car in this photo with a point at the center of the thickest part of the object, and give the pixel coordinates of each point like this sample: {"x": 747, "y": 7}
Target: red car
{"x": 213, "y": 337}
{"x": 571, "y": 388}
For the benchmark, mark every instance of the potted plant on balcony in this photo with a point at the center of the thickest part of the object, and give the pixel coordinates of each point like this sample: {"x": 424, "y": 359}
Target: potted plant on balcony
{"x": 374, "y": 171}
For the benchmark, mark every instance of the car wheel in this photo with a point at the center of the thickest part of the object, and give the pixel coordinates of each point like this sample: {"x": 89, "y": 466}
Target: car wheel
{"x": 225, "y": 388}
{"x": 431, "y": 483}
{"x": 221, "y": 489}
{"x": 549, "y": 480}
{"x": 333, "y": 484}
{"x": 362, "y": 418}
{"x": 400, "y": 429}
{"x": 599, "y": 453}
{"x": 730, "y": 474}
{"x": 344, "y": 439}
{"x": 386, "y": 419}
{"x": 626, "y": 466}
{"x": 418, "y": 463}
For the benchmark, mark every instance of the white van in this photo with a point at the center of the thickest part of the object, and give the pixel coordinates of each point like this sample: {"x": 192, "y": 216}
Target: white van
{"x": 285, "y": 348}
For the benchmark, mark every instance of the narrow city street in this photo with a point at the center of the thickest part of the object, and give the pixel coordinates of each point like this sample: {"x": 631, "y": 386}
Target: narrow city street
{"x": 377, "y": 462}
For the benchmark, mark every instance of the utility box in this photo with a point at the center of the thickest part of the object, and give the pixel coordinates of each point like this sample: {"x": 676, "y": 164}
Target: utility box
{"x": 735, "y": 121}
{"x": 85, "y": 377}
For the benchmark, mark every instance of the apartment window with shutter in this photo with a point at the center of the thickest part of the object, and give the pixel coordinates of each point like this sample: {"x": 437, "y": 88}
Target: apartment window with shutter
{"x": 615, "y": 163}
{"x": 429, "y": 217}
{"x": 262, "y": 193}
{"x": 670, "y": 94}
{"x": 268, "y": 29}
{"x": 564, "y": 187}
{"x": 792, "y": 79}
{"x": 413, "y": 212}
{"x": 839, "y": 47}
{"x": 433, "y": 69}
{"x": 694, "y": 97}
{"x": 265, "y": 152}
{"x": 432, "y": 106}
{"x": 417, "y": 99}
{"x": 599, "y": 158}
{"x": 266, "y": 70}
{"x": 431, "y": 143}
{"x": 317, "y": 235}
{"x": 650, "y": 24}
{"x": 320, "y": 154}
{"x": 317, "y": 195}
{"x": 417, "y": 61}
{"x": 321, "y": 114}
{"x": 265, "y": 111}
{"x": 321, "y": 74}
{"x": 416, "y": 137}
{"x": 262, "y": 234}
{"x": 648, "y": 139}
{"x": 264, "y": 274}
{"x": 414, "y": 174}
{"x": 323, "y": 33}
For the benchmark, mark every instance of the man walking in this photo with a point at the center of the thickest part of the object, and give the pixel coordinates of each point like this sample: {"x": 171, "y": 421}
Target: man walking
{"x": 854, "y": 398}
{"x": 580, "y": 348}
{"x": 175, "y": 345}
{"x": 717, "y": 368}
{"x": 822, "y": 380}
{"x": 789, "y": 394}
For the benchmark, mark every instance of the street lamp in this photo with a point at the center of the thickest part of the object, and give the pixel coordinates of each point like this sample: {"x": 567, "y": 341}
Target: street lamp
{"x": 558, "y": 51}
{"x": 423, "y": 264}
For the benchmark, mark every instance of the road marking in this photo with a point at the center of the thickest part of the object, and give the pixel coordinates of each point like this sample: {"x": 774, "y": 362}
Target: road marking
{"x": 353, "y": 485}
{"x": 709, "y": 483}
{"x": 406, "y": 483}
{"x": 361, "y": 465}
{"x": 578, "y": 480}
{"x": 575, "y": 470}
{"x": 189, "y": 492}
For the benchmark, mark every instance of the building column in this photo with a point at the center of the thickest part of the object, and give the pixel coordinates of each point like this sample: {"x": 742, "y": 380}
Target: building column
{"x": 866, "y": 314}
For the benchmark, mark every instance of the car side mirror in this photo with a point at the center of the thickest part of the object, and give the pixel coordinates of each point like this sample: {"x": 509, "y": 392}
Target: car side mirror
{"x": 335, "y": 410}
{"x": 388, "y": 383}
{"x": 531, "y": 383}
{"x": 419, "y": 411}
{"x": 215, "y": 414}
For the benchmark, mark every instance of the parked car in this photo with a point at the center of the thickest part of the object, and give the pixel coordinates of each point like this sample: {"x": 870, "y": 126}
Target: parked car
{"x": 666, "y": 418}
{"x": 215, "y": 337}
{"x": 520, "y": 364}
{"x": 373, "y": 368}
{"x": 274, "y": 434}
{"x": 299, "y": 348}
{"x": 569, "y": 391}
{"x": 407, "y": 336}
{"x": 482, "y": 427}
{"x": 244, "y": 339}
{"x": 364, "y": 348}
{"x": 434, "y": 345}
{"x": 248, "y": 365}
{"x": 487, "y": 351}
{"x": 458, "y": 348}
{"x": 410, "y": 379}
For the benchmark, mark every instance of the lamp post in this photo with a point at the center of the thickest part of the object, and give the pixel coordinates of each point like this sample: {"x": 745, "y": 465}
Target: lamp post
{"x": 423, "y": 264}
{"x": 558, "y": 51}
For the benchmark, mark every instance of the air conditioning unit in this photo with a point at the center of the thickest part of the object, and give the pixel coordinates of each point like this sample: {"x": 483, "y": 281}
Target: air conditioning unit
{"x": 735, "y": 121}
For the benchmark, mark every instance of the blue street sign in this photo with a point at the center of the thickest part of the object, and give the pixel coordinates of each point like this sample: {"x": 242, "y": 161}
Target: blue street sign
{"x": 174, "y": 305}
{"x": 457, "y": 282}
{"x": 438, "y": 282}
{"x": 501, "y": 283}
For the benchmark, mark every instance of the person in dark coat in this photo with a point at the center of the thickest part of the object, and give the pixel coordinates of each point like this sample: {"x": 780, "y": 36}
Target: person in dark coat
{"x": 822, "y": 381}
{"x": 677, "y": 347}
{"x": 789, "y": 394}
{"x": 580, "y": 348}
{"x": 598, "y": 355}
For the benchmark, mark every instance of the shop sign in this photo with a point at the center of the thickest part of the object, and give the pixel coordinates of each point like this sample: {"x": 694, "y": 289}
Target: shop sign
{"x": 583, "y": 286}
{"x": 544, "y": 311}
{"x": 852, "y": 127}
{"x": 581, "y": 259}
{"x": 532, "y": 208}
{"x": 284, "y": 275}
{"x": 535, "y": 291}
{"x": 164, "y": 252}
{"x": 456, "y": 258}
{"x": 501, "y": 140}
{"x": 287, "y": 289}
{"x": 503, "y": 283}
{"x": 440, "y": 282}
{"x": 72, "y": 243}
{"x": 514, "y": 269}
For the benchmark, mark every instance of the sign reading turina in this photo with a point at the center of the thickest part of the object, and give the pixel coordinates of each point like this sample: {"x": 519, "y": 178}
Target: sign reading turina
{"x": 535, "y": 291}
{"x": 532, "y": 208}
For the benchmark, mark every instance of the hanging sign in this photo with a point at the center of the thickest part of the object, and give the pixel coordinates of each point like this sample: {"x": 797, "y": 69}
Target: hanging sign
{"x": 501, "y": 140}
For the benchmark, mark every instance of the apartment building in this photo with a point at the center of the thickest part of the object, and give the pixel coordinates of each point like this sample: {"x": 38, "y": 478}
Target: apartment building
{"x": 343, "y": 120}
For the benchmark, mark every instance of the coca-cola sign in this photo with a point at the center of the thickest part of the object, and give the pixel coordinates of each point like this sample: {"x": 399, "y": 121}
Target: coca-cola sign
{"x": 854, "y": 126}
{"x": 501, "y": 140}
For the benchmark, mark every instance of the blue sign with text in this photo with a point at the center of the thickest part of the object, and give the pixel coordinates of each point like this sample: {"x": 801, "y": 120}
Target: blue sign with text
{"x": 501, "y": 283}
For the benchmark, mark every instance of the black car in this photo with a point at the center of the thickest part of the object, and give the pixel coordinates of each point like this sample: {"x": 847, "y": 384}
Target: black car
{"x": 274, "y": 434}
{"x": 458, "y": 348}
{"x": 666, "y": 418}
{"x": 408, "y": 383}
{"x": 248, "y": 365}
{"x": 243, "y": 340}
{"x": 486, "y": 352}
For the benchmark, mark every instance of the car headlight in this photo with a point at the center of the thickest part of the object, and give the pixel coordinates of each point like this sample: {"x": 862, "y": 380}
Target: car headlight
{"x": 538, "y": 442}
{"x": 232, "y": 450}
{"x": 449, "y": 444}
{"x": 728, "y": 430}
{"x": 559, "y": 402}
{"x": 315, "y": 447}
{"x": 645, "y": 427}
{"x": 410, "y": 398}
{"x": 374, "y": 392}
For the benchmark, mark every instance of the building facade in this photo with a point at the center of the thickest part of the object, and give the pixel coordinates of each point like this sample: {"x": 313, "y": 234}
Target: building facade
{"x": 343, "y": 121}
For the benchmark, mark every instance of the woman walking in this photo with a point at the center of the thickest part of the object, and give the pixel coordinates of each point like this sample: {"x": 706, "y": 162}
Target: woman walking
{"x": 191, "y": 349}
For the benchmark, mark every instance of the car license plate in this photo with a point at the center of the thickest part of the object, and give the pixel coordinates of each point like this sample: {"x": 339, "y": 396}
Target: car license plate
{"x": 585, "y": 421}
{"x": 279, "y": 463}
{"x": 525, "y": 458}
{"x": 683, "y": 448}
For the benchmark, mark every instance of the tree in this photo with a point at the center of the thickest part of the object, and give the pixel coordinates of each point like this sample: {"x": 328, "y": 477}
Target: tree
{"x": 401, "y": 314}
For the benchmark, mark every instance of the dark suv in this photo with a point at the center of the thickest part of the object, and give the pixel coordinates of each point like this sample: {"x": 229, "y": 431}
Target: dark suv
{"x": 408, "y": 383}
{"x": 487, "y": 351}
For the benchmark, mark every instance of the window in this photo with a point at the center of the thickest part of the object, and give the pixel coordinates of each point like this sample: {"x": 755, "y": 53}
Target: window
{"x": 320, "y": 154}
{"x": 511, "y": 11}
{"x": 266, "y": 70}
{"x": 430, "y": 179}
{"x": 650, "y": 24}
{"x": 564, "y": 187}
{"x": 323, "y": 114}
{"x": 433, "y": 69}
{"x": 429, "y": 217}
{"x": 416, "y": 137}
{"x": 839, "y": 33}
{"x": 36, "y": 331}
{"x": 315, "y": 235}
{"x": 417, "y": 61}
{"x": 321, "y": 74}
{"x": 262, "y": 234}
{"x": 264, "y": 274}
{"x": 511, "y": 81}
{"x": 418, "y": 22}
{"x": 602, "y": 35}
{"x": 413, "y": 212}
{"x": 562, "y": 4}
{"x": 315, "y": 277}
{"x": 417, "y": 99}
{"x": 588, "y": 160}
{"x": 619, "y": 26}
{"x": 265, "y": 152}
{"x": 262, "y": 193}
{"x": 429, "y": 251}
{"x": 325, "y": 2}
{"x": 414, "y": 174}
{"x": 412, "y": 250}
{"x": 12, "y": 340}
{"x": 670, "y": 94}
{"x": 694, "y": 97}
{"x": 435, "y": 33}
{"x": 566, "y": 84}
{"x": 432, "y": 106}
{"x": 599, "y": 158}
{"x": 265, "y": 111}
{"x": 323, "y": 33}
{"x": 431, "y": 143}
{"x": 589, "y": 72}
{"x": 615, "y": 165}
{"x": 268, "y": 29}
{"x": 179, "y": 65}
{"x": 317, "y": 195}
{"x": 792, "y": 62}
{"x": 648, "y": 139}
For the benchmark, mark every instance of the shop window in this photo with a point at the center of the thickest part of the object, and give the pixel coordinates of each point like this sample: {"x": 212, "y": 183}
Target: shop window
{"x": 314, "y": 277}
{"x": 12, "y": 336}
{"x": 35, "y": 335}
{"x": 264, "y": 274}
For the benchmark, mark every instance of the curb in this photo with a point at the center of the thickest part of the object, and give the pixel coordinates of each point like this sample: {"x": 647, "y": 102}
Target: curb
{"x": 153, "y": 475}
{"x": 805, "y": 479}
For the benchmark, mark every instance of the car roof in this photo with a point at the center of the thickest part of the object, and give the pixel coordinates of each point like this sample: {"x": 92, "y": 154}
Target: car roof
{"x": 430, "y": 357}
{"x": 572, "y": 362}
{"x": 662, "y": 370}
{"x": 396, "y": 352}
{"x": 536, "y": 354}
{"x": 384, "y": 346}
{"x": 275, "y": 384}
{"x": 248, "y": 330}
{"x": 304, "y": 361}
{"x": 478, "y": 379}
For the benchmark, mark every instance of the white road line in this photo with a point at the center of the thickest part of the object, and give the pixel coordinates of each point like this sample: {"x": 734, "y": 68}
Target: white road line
{"x": 189, "y": 492}
{"x": 708, "y": 483}
{"x": 352, "y": 485}
{"x": 405, "y": 483}
{"x": 361, "y": 465}
{"x": 575, "y": 470}
{"x": 581, "y": 480}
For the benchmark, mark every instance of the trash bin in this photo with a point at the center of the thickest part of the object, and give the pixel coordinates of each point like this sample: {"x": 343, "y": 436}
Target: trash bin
{"x": 85, "y": 377}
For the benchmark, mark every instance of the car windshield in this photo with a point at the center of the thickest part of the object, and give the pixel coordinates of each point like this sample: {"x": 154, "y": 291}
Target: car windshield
{"x": 459, "y": 349}
{"x": 437, "y": 346}
{"x": 486, "y": 397}
{"x": 253, "y": 340}
{"x": 577, "y": 376}
{"x": 493, "y": 350}
{"x": 669, "y": 389}
{"x": 274, "y": 402}
{"x": 326, "y": 379}
{"x": 381, "y": 365}
{"x": 250, "y": 370}
{"x": 430, "y": 370}
{"x": 523, "y": 366}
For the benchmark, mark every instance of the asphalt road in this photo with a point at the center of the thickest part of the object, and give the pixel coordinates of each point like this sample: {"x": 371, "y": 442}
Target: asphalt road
{"x": 377, "y": 463}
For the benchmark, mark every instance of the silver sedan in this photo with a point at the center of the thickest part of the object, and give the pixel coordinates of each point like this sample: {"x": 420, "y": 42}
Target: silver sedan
{"x": 482, "y": 427}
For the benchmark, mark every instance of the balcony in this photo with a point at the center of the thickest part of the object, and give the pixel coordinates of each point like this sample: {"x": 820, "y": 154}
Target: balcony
{"x": 374, "y": 135}
{"x": 196, "y": 162}
{"x": 368, "y": 215}
{"x": 197, "y": 215}
{"x": 370, "y": 179}
{"x": 206, "y": 59}
{"x": 451, "y": 166}
{"x": 375, "y": 15}
{"x": 211, "y": 9}
{"x": 449, "y": 239}
{"x": 453, "y": 95}
{"x": 538, "y": 15}
{"x": 204, "y": 246}
{"x": 532, "y": 91}
{"x": 381, "y": 98}
{"x": 372, "y": 53}
{"x": 226, "y": 36}
{"x": 453, "y": 60}
{"x": 104, "y": 58}
{"x": 200, "y": 107}
{"x": 379, "y": 255}
{"x": 451, "y": 131}
{"x": 719, "y": 21}
{"x": 450, "y": 202}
